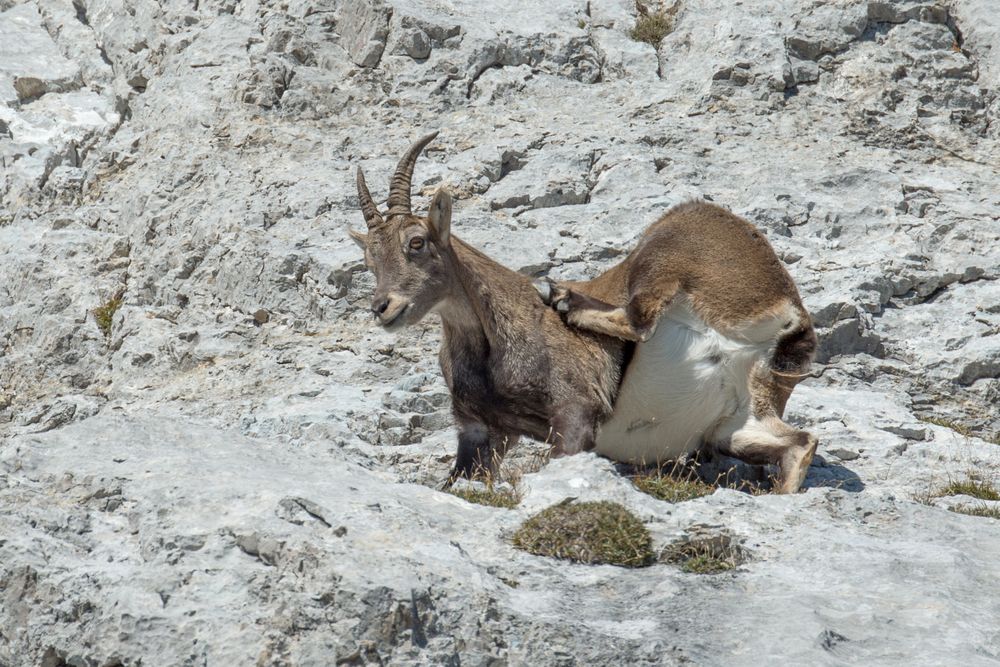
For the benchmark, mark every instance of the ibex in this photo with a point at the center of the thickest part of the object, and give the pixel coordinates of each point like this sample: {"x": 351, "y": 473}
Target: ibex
{"x": 696, "y": 339}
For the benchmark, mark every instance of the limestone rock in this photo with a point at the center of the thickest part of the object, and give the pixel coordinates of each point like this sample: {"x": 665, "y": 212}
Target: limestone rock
{"x": 30, "y": 63}
{"x": 208, "y": 453}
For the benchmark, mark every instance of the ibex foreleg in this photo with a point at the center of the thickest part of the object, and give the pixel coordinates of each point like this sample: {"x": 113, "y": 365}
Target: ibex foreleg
{"x": 636, "y": 321}
{"x": 480, "y": 450}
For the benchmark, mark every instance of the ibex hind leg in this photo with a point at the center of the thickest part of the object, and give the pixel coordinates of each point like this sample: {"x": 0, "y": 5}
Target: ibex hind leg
{"x": 764, "y": 438}
{"x": 574, "y": 429}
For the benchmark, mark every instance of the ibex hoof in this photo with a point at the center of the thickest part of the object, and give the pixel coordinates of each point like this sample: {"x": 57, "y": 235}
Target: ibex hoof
{"x": 544, "y": 288}
{"x": 553, "y": 295}
{"x": 561, "y": 299}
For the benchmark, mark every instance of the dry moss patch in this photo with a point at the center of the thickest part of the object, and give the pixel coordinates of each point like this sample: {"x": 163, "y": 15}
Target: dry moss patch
{"x": 706, "y": 554}
{"x": 590, "y": 532}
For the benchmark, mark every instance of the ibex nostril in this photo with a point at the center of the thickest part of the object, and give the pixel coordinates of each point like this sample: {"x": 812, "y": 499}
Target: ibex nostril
{"x": 378, "y": 307}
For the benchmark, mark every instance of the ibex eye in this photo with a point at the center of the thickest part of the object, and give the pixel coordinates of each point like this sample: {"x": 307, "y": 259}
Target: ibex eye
{"x": 416, "y": 243}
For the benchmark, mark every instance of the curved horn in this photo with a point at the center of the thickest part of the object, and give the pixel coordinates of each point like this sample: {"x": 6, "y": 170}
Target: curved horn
{"x": 372, "y": 217}
{"x": 399, "y": 186}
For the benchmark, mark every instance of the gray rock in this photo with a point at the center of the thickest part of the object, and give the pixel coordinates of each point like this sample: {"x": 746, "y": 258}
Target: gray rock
{"x": 364, "y": 26}
{"x": 30, "y": 62}
{"x": 242, "y": 469}
{"x": 843, "y": 454}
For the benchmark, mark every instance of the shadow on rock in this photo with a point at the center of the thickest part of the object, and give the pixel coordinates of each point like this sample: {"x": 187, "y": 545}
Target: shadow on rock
{"x": 826, "y": 473}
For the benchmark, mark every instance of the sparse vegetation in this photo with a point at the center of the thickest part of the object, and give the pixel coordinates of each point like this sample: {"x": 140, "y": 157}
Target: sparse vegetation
{"x": 679, "y": 481}
{"x": 976, "y": 488}
{"x": 503, "y": 487}
{"x": 706, "y": 555}
{"x": 707, "y": 564}
{"x": 652, "y": 26}
{"x": 588, "y": 532}
{"x": 961, "y": 429}
{"x": 955, "y": 426}
{"x": 674, "y": 486}
{"x": 508, "y": 498}
{"x": 104, "y": 315}
{"x": 978, "y": 510}
{"x": 750, "y": 487}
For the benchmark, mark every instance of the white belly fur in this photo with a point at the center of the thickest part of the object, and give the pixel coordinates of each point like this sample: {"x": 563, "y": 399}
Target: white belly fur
{"x": 683, "y": 385}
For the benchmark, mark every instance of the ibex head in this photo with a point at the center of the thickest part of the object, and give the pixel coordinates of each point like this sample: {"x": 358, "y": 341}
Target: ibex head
{"x": 408, "y": 254}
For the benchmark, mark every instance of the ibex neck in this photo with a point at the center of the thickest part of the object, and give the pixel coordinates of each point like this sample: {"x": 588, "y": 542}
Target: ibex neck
{"x": 482, "y": 288}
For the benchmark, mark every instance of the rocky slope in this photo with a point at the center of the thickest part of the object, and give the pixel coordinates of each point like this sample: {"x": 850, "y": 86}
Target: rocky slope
{"x": 235, "y": 467}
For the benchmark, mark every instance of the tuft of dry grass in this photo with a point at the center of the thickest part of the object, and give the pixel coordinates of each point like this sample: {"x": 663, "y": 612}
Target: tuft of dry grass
{"x": 973, "y": 486}
{"x": 674, "y": 485}
{"x": 707, "y": 564}
{"x": 976, "y": 488}
{"x": 678, "y": 481}
{"x": 977, "y": 510}
{"x": 502, "y": 482}
{"x": 961, "y": 429}
{"x": 491, "y": 496}
{"x": 955, "y": 426}
{"x": 588, "y": 532}
{"x": 104, "y": 315}
{"x": 652, "y": 26}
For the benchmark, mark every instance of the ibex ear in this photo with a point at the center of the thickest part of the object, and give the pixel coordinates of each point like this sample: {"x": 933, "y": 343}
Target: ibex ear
{"x": 359, "y": 238}
{"x": 440, "y": 216}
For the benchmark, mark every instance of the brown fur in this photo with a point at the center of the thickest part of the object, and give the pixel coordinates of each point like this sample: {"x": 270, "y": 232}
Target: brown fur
{"x": 513, "y": 366}
{"x": 719, "y": 260}
{"x": 733, "y": 281}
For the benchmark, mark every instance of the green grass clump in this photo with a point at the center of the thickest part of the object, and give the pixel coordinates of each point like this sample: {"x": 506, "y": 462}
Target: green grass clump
{"x": 977, "y": 510}
{"x": 976, "y": 488}
{"x": 707, "y": 564}
{"x": 652, "y": 27}
{"x": 672, "y": 486}
{"x": 589, "y": 532}
{"x": 104, "y": 315}
{"x": 708, "y": 555}
{"x": 492, "y": 496}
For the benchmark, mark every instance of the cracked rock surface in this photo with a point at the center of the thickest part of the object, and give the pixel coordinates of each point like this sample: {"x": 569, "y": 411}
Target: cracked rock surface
{"x": 210, "y": 456}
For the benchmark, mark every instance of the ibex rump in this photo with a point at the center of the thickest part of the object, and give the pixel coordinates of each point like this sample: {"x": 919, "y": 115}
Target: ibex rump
{"x": 702, "y": 319}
